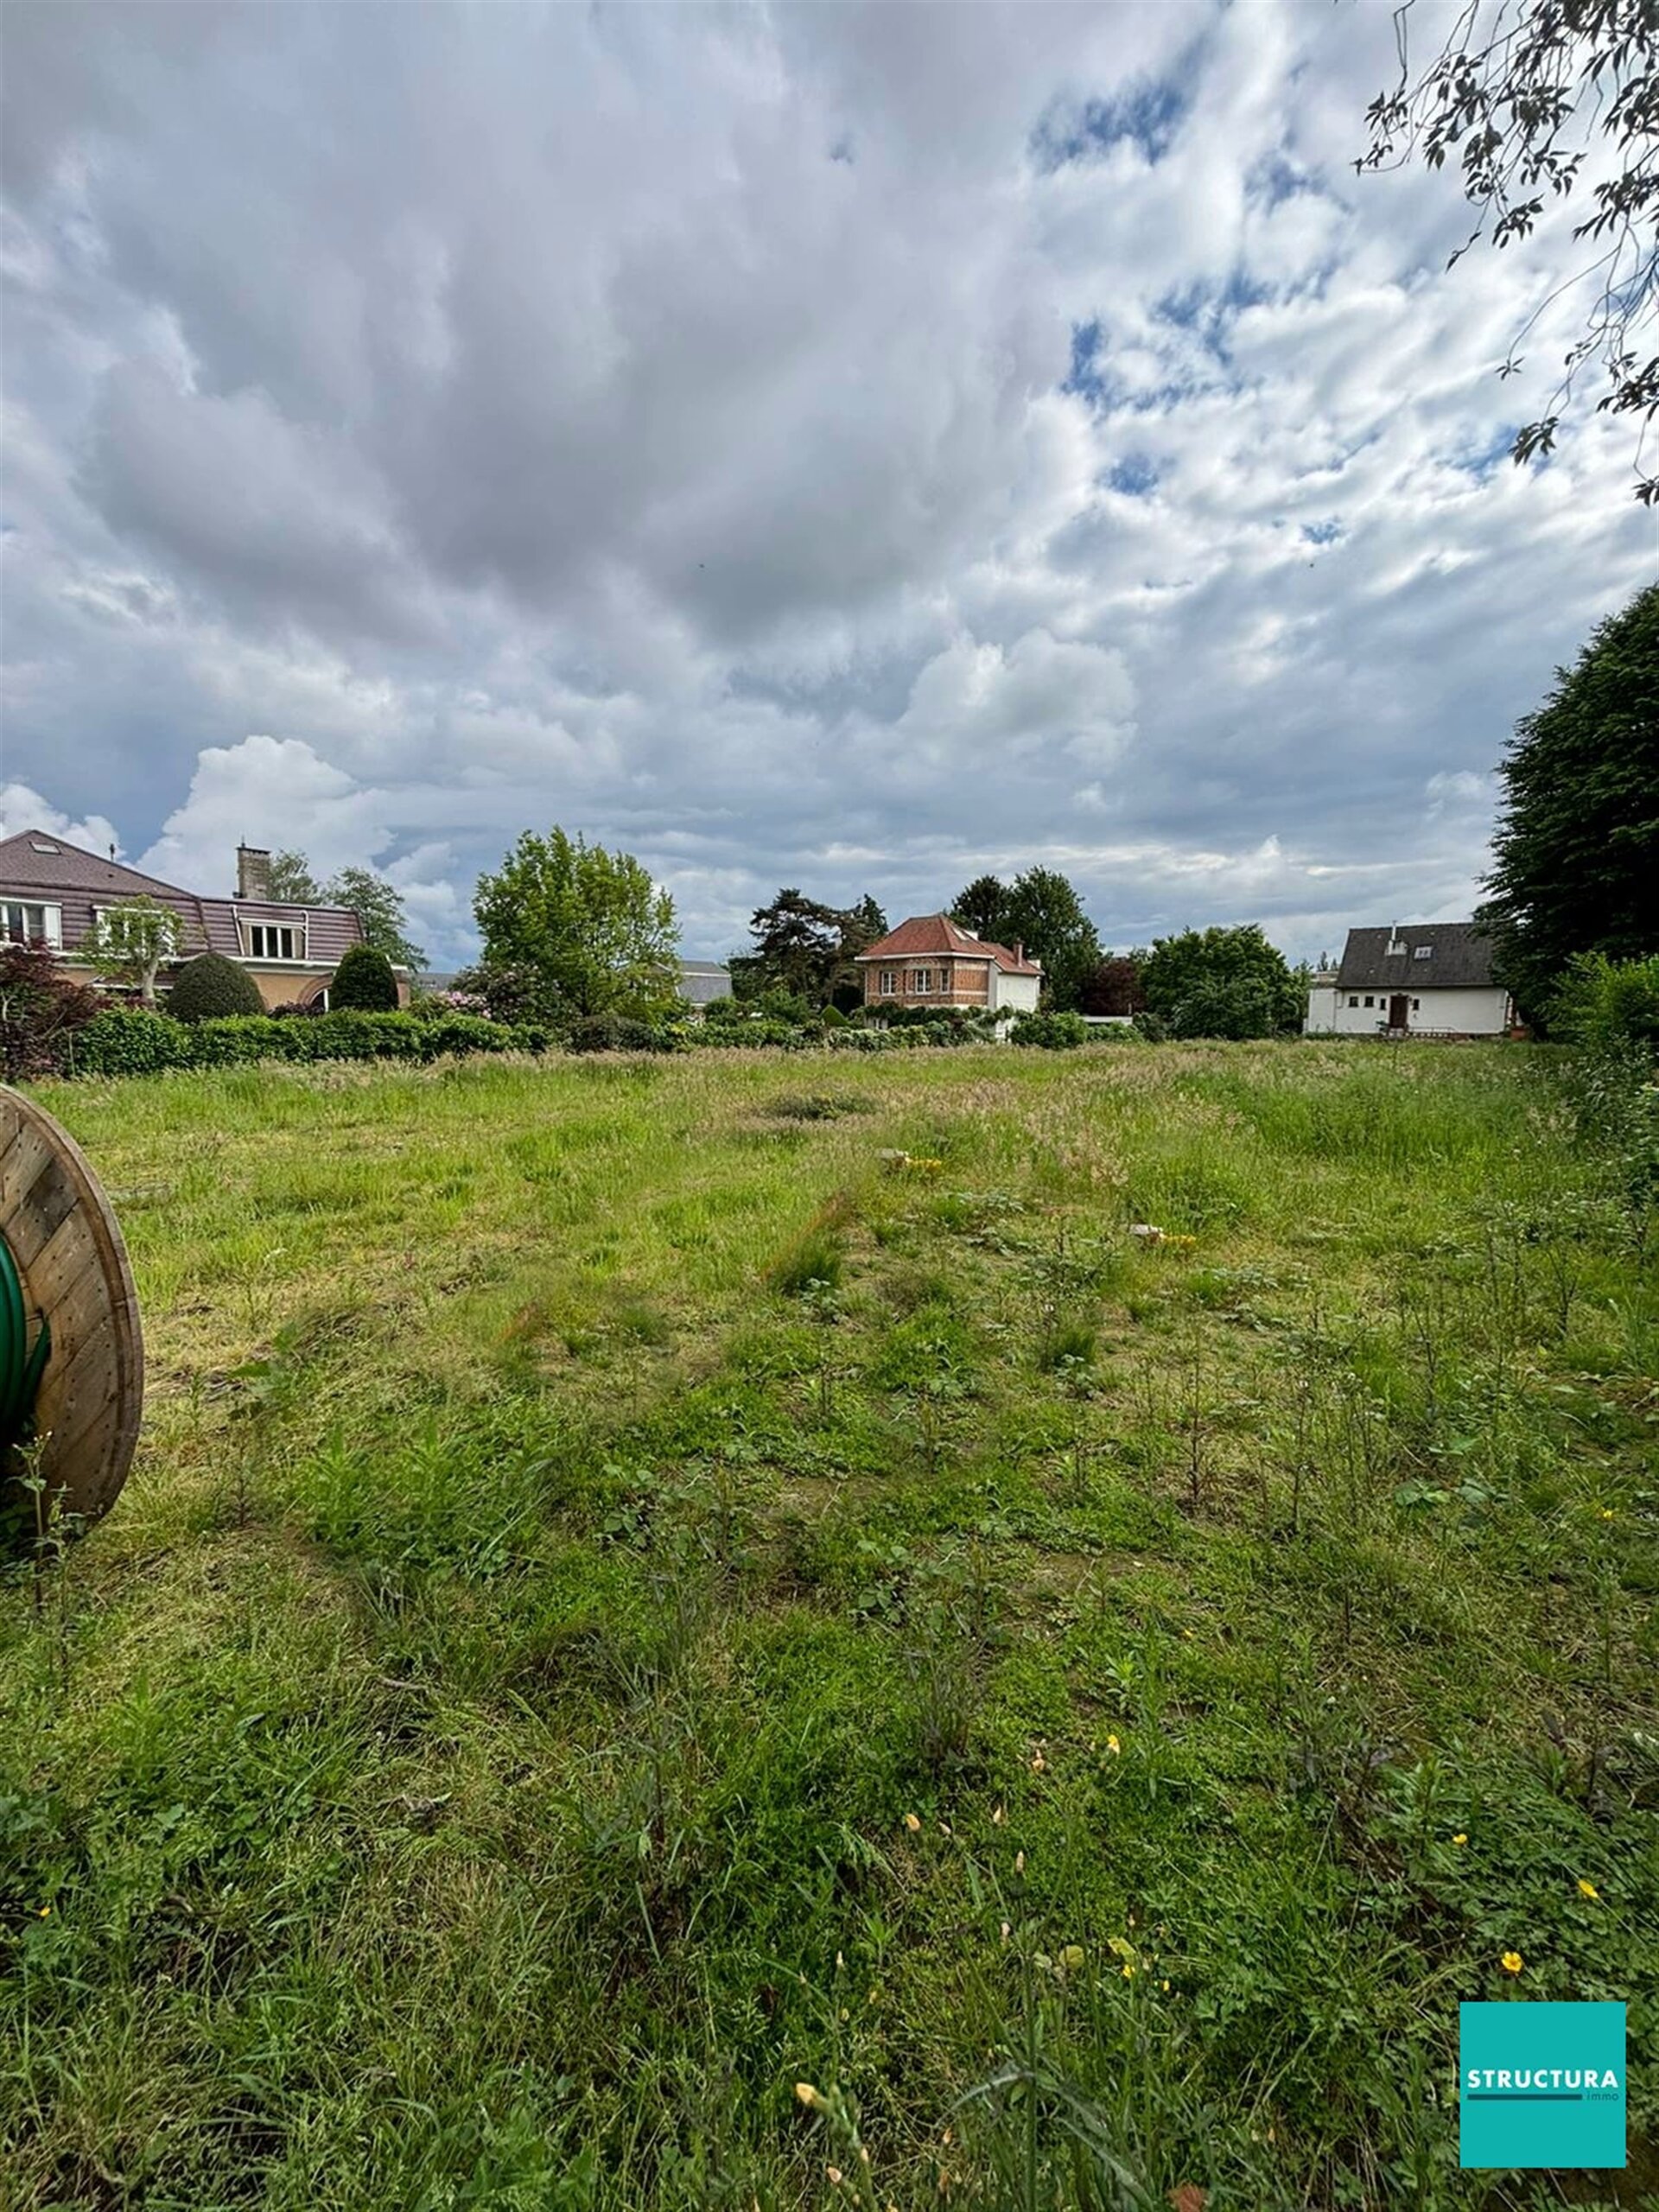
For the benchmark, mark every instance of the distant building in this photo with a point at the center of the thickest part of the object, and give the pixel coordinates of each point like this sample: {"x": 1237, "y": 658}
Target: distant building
{"x": 702, "y": 982}
{"x": 931, "y": 961}
{"x": 51, "y": 891}
{"x": 1423, "y": 979}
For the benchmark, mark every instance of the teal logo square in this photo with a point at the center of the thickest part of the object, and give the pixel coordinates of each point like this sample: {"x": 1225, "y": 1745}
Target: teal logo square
{"x": 1541, "y": 2085}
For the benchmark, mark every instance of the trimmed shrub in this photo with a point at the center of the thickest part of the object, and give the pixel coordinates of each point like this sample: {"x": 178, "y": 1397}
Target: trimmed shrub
{"x": 363, "y": 983}
{"x": 119, "y": 1042}
{"x": 235, "y": 1039}
{"x": 209, "y": 986}
{"x": 617, "y": 1033}
{"x": 1053, "y": 1032}
{"x": 125, "y": 1040}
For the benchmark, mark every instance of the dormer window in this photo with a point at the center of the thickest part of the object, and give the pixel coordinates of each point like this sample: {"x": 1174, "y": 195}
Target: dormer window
{"x": 1422, "y": 952}
{"x": 273, "y": 940}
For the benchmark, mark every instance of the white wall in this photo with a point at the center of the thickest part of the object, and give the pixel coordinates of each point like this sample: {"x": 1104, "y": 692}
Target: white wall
{"x": 1016, "y": 994}
{"x": 1482, "y": 1013}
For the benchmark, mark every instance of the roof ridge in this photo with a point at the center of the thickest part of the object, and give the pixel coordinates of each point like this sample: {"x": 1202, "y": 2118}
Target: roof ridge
{"x": 100, "y": 859}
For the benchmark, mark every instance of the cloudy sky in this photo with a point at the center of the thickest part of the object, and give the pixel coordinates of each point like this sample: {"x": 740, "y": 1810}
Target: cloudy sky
{"x": 851, "y": 446}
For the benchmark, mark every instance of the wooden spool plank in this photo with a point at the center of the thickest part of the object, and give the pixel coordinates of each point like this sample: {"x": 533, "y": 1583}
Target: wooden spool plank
{"x": 69, "y": 1252}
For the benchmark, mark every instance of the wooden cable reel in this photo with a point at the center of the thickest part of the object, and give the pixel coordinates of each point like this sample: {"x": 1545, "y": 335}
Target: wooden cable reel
{"x": 81, "y": 1318}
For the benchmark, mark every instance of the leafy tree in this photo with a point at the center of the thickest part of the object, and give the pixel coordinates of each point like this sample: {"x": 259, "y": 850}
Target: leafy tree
{"x": 1222, "y": 983}
{"x": 797, "y": 944}
{"x": 1524, "y": 94}
{"x": 807, "y": 949}
{"x": 861, "y": 927}
{"x": 1576, "y": 850}
{"x": 211, "y": 985}
{"x": 1043, "y": 912}
{"x": 978, "y": 906}
{"x": 1115, "y": 987}
{"x": 378, "y": 907}
{"x": 587, "y": 927}
{"x": 363, "y": 980}
{"x": 131, "y": 942}
{"x": 40, "y": 1008}
{"x": 1609, "y": 1005}
{"x": 377, "y": 904}
{"x": 292, "y": 882}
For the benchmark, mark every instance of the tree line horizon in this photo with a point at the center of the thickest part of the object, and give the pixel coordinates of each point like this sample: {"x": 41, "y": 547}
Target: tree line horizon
{"x": 570, "y": 929}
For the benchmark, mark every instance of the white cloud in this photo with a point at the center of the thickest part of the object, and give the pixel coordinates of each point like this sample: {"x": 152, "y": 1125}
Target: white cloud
{"x": 742, "y": 437}
{"x": 21, "y": 809}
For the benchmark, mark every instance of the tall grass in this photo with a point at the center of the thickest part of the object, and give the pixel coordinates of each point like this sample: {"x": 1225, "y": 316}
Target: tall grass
{"x": 633, "y": 1599}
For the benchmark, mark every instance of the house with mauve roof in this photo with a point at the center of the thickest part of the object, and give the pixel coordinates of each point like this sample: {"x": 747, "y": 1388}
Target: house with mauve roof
{"x": 1413, "y": 979}
{"x": 931, "y": 961}
{"x": 51, "y": 893}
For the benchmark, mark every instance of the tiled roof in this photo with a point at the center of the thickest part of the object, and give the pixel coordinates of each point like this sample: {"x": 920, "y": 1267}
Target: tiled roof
{"x": 1459, "y": 957}
{"x": 704, "y": 980}
{"x": 32, "y": 861}
{"x": 42, "y": 867}
{"x": 937, "y": 934}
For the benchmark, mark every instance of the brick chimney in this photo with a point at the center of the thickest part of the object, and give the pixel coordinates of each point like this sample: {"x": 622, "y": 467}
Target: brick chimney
{"x": 1019, "y": 949}
{"x": 252, "y": 872}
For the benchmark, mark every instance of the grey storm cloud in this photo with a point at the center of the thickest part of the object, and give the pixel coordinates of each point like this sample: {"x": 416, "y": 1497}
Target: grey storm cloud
{"x": 848, "y": 446}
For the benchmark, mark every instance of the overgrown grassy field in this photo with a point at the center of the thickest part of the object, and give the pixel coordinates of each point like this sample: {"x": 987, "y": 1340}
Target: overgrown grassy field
{"x": 633, "y": 1599}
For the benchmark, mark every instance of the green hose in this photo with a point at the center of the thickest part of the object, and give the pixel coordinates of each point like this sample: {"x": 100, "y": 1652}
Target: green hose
{"x": 20, "y": 1365}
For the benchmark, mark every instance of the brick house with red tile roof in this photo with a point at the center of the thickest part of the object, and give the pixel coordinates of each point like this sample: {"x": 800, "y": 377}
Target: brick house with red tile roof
{"x": 51, "y": 891}
{"x": 931, "y": 961}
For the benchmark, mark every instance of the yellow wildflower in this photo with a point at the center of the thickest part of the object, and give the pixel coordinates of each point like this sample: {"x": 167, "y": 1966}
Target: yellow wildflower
{"x": 1459, "y": 1837}
{"x": 46, "y": 1912}
{"x": 1128, "y": 1971}
{"x": 1587, "y": 1889}
{"x": 811, "y": 2098}
{"x": 913, "y": 1823}
{"x": 1512, "y": 1962}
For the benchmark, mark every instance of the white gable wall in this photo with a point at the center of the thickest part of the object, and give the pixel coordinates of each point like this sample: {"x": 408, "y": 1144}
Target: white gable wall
{"x": 1014, "y": 994}
{"x": 1483, "y": 1012}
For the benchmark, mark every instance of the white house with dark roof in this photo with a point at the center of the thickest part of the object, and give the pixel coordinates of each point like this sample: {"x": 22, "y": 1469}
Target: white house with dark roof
{"x": 52, "y": 892}
{"x": 1425, "y": 979}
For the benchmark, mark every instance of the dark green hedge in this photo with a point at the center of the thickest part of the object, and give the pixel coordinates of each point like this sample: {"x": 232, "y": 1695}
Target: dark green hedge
{"x": 138, "y": 1043}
